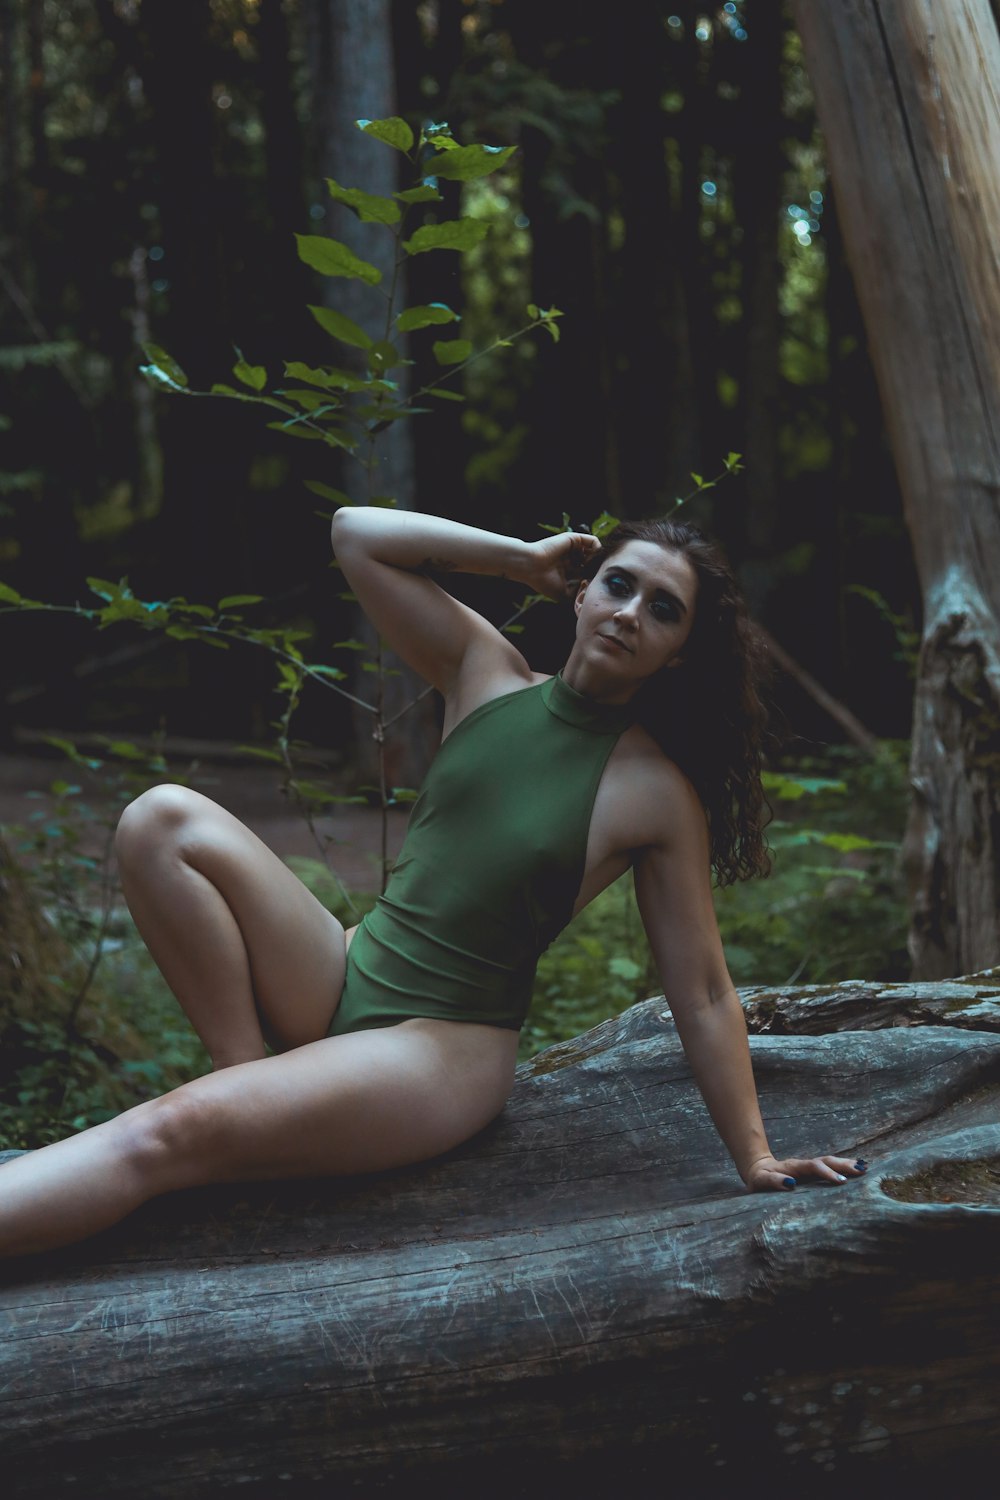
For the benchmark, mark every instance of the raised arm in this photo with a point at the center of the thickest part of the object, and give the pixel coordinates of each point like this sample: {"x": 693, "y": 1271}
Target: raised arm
{"x": 675, "y": 900}
{"x": 386, "y": 556}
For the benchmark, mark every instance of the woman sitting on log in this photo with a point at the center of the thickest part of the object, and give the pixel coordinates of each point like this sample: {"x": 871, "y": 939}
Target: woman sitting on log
{"x": 401, "y": 1043}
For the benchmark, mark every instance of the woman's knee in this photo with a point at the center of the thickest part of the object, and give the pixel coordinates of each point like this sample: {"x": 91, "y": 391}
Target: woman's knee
{"x": 155, "y": 818}
{"x": 174, "y": 1141}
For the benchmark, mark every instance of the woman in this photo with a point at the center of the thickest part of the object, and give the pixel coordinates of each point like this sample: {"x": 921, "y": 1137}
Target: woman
{"x": 416, "y": 1052}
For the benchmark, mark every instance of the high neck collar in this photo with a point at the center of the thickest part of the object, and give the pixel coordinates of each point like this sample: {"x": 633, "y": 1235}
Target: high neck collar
{"x": 565, "y": 703}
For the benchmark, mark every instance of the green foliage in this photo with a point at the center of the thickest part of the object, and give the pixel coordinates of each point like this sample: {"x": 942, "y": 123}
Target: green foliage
{"x": 81, "y": 1057}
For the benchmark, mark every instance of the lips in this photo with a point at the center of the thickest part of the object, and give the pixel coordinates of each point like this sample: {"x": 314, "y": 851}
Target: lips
{"x": 614, "y": 641}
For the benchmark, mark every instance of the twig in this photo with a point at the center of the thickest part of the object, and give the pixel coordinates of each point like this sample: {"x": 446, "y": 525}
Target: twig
{"x": 852, "y": 726}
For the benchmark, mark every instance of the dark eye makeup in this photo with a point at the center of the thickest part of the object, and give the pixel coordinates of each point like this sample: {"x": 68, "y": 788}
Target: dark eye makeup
{"x": 663, "y": 608}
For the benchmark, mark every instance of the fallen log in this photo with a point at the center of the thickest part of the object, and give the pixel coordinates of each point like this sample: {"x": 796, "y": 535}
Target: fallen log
{"x": 582, "y": 1293}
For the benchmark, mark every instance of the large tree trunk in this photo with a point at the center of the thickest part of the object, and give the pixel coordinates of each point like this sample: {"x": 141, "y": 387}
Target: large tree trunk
{"x": 358, "y": 82}
{"x": 580, "y": 1296}
{"x": 906, "y": 93}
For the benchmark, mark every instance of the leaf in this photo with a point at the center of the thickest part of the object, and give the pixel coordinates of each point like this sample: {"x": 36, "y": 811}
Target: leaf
{"x": 351, "y": 645}
{"x": 441, "y": 395}
{"x": 328, "y": 492}
{"x": 605, "y": 523}
{"x": 383, "y": 356}
{"x": 425, "y": 193}
{"x": 369, "y": 207}
{"x": 846, "y": 843}
{"x": 232, "y": 600}
{"x": 451, "y": 351}
{"x": 404, "y": 794}
{"x": 260, "y": 752}
{"x": 423, "y": 317}
{"x": 463, "y": 163}
{"x": 453, "y": 234}
{"x": 624, "y": 968}
{"x": 293, "y": 431}
{"x": 9, "y": 595}
{"x": 331, "y": 258}
{"x": 393, "y": 131}
{"x": 342, "y": 328}
{"x": 255, "y": 376}
{"x": 163, "y": 365}
{"x": 312, "y": 401}
{"x": 791, "y": 788}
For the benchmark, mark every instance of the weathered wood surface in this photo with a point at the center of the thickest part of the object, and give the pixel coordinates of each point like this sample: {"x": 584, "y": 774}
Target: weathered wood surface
{"x": 584, "y": 1291}
{"x": 906, "y": 94}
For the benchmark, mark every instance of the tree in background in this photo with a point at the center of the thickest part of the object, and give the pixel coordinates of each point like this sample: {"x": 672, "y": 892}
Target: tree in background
{"x": 907, "y": 98}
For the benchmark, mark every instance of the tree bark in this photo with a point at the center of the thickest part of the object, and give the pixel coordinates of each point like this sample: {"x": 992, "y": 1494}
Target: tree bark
{"x": 360, "y": 84}
{"x": 906, "y": 94}
{"x": 582, "y": 1294}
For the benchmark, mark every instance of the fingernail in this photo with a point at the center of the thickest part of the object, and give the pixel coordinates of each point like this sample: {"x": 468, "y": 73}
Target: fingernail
{"x": 839, "y": 1178}
{"x": 861, "y": 1166}
{"x": 789, "y": 1182}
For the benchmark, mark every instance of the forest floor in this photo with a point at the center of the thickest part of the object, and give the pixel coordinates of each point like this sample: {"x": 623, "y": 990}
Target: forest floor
{"x": 253, "y": 794}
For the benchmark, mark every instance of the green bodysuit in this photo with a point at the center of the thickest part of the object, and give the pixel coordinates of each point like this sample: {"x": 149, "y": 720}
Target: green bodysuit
{"x": 491, "y": 866}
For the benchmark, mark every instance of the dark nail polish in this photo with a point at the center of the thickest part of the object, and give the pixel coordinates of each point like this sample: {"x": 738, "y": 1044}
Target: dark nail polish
{"x": 861, "y": 1165}
{"x": 789, "y": 1182}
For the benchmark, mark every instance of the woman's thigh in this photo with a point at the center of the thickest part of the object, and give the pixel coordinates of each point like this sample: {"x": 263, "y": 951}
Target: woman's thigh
{"x": 364, "y": 1102}
{"x": 295, "y": 947}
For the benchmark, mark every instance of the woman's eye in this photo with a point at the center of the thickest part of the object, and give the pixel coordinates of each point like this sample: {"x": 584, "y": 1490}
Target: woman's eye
{"x": 664, "y": 611}
{"x": 616, "y": 584}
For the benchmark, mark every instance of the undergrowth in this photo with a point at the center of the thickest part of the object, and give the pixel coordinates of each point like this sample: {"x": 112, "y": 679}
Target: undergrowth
{"x": 110, "y": 1033}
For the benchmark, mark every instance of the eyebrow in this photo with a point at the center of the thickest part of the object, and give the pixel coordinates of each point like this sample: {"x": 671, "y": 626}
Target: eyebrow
{"x": 660, "y": 593}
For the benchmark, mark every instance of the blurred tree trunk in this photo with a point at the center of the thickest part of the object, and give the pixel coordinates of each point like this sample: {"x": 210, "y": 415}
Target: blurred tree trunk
{"x": 426, "y": 63}
{"x": 570, "y": 460}
{"x": 695, "y": 254}
{"x": 757, "y": 170}
{"x": 11, "y": 179}
{"x": 283, "y": 156}
{"x": 906, "y": 94}
{"x": 206, "y": 550}
{"x": 360, "y": 84}
{"x": 649, "y": 383}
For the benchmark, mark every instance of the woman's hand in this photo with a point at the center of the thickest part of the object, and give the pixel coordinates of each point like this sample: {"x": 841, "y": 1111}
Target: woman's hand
{"x": 770, "y": 1176}
{"x": 554, "y": 566}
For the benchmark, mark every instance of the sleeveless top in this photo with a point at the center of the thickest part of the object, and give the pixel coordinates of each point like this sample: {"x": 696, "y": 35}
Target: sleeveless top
{"x": 491, "y": 865}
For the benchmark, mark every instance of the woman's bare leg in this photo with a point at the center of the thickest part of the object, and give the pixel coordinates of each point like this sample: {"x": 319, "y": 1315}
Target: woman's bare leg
{"x": 248, "y": 951}
{"x": 357, "y": 1103}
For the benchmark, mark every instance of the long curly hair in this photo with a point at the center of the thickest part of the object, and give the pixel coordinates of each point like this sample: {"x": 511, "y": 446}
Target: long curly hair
{"x": 707, "y": 713}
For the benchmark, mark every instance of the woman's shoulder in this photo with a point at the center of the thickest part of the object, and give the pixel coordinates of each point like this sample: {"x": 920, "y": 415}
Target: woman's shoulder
{"x": 646, "y": 783}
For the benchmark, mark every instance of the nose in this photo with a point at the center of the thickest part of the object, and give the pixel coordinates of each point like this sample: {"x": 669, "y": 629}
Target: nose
{"x": 627, "y": 614}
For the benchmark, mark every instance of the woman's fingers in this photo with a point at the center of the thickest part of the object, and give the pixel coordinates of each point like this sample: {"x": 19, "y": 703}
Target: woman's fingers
{"x": 770, "y": 1175}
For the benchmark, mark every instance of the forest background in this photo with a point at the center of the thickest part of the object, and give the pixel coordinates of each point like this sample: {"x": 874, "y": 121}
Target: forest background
{"x": 669, "y": 195}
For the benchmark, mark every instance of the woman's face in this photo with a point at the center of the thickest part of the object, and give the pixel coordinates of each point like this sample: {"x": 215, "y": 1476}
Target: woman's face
{"x": 635, "y": 616}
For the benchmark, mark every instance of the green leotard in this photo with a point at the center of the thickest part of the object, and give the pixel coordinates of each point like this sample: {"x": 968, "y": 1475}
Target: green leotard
{"x": 491, "y": 866}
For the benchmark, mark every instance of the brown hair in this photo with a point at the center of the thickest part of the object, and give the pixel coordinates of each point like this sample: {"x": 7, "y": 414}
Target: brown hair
{"x": 708, "y": 713}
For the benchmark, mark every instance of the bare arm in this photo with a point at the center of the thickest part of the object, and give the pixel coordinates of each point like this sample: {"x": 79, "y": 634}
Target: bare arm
{"x": 675, "y": 899}
{"x": 386, "y": 556}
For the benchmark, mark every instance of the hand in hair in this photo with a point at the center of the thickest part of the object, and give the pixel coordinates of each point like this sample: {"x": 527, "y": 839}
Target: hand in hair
{"x": 555, "y": 565}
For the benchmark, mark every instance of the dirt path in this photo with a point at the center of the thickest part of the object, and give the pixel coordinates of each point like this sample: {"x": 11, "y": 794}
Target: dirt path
{"x": 253, "y": 794}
